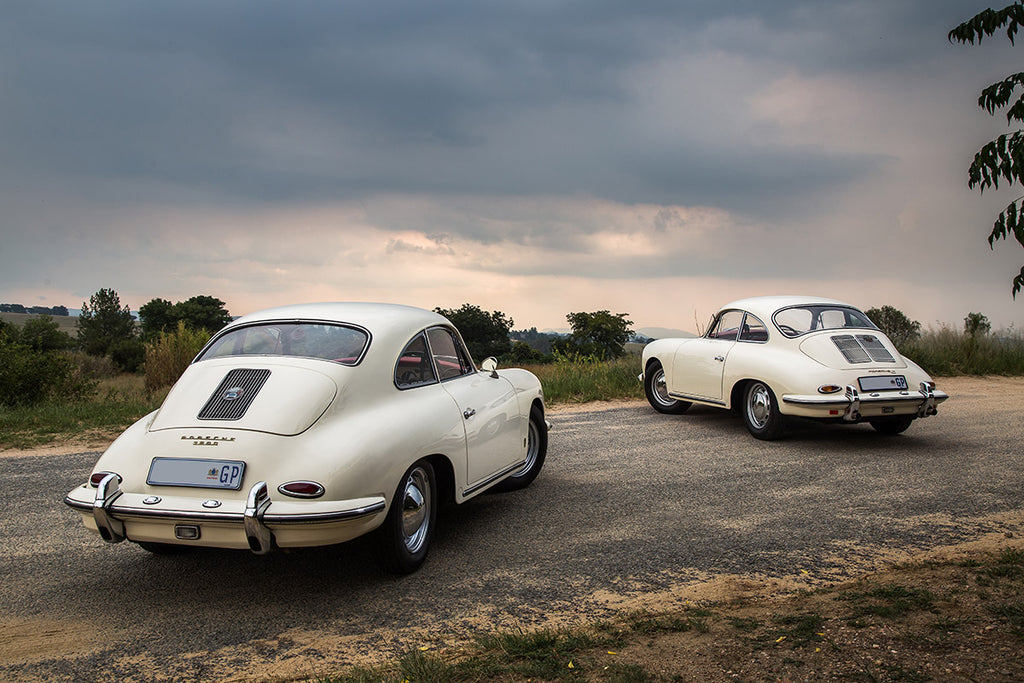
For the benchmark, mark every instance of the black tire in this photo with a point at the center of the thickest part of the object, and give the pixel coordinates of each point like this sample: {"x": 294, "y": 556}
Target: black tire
{"x": 891, "y": 425}
{"x": 536, "y": 451}
{"x": 656, "y": 391}
{"x": 404, "y": 537}
{"x": 761, "y": 412}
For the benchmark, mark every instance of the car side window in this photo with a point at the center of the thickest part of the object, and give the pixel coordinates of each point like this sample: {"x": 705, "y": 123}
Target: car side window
{"x": 449, "y": 357}
{"x": 414, "y": 367}
{"x": 727, "y": 327}
{"x": 753, "y": 330}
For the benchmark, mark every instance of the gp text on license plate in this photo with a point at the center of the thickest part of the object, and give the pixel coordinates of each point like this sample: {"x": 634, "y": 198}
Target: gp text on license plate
{"x": 210, "y": 474}
{"x": 883, "y": 383}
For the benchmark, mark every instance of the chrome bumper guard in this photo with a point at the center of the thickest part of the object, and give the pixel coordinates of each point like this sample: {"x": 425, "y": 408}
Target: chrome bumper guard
{"x": 111, "y": 529}
{"x": 255, "y": 519}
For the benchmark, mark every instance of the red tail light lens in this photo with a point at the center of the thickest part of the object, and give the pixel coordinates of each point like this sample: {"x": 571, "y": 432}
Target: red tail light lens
{"x": 96, "y": 477}
{"x": 302, "y": 489}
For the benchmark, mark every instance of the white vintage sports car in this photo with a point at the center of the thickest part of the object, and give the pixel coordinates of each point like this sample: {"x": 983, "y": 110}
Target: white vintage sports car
{"x": 776, "y": 356}
{"x": 313, "y": 424}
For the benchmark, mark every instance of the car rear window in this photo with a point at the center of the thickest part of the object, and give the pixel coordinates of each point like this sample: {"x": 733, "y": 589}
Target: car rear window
{"x": 338, "y": 343}
{"x": 798, "y": 320}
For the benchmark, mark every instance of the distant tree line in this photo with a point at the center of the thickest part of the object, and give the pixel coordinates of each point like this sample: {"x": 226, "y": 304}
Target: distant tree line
{"x": 34, "y": 310}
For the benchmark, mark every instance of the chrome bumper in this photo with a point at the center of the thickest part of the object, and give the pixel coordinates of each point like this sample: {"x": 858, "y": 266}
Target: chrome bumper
{"x": 851, "y": 402}
{"x": 256, "y": 519}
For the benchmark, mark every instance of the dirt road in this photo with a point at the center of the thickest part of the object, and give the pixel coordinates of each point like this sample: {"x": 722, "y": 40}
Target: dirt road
{"x": 633, "y": 509}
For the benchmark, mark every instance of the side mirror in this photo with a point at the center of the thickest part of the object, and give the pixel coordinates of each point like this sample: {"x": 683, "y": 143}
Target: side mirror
{"x": 490, "y": 364}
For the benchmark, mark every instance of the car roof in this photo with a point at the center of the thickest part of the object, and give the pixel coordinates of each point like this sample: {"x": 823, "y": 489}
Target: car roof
{"x": 765, "y": 306}
{"x": 381, "y": 320}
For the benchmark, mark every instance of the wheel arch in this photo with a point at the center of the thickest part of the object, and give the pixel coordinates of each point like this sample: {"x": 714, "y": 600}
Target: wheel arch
{"x": 444, "y": 478}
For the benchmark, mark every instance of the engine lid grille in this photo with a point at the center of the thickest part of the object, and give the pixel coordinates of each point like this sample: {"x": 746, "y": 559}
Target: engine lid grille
{"x": 234, "y": 395}
{"x": 862, "y": 348}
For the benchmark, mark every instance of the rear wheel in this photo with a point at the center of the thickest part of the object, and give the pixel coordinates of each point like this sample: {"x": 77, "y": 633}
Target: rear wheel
{"x": 536, "y": 450}
{"x": 891, "y": 425}
{"x": 405, "y": 536}
{"x": 656, "y": 389}
{"x": 761, "y": 412}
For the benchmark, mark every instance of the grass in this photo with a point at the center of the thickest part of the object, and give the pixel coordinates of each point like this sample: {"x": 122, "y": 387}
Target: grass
{"x": 947, "y": 353}
{"x": 580, "y": 380}
{"x": 119, "y": 402}
{"x": 916, "y": 622}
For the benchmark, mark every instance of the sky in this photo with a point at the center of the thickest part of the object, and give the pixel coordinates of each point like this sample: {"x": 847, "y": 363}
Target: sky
{"x": 539, "y": 157}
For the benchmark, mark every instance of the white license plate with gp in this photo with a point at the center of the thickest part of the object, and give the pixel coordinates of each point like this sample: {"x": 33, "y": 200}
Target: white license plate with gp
{"x": 209, "y": 474}
{"x": 883, "y": 383}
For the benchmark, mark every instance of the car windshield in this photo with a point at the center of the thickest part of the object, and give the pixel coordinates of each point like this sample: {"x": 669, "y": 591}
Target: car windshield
{"x": 338, "y": 343}
{"x": 798, "y": 320}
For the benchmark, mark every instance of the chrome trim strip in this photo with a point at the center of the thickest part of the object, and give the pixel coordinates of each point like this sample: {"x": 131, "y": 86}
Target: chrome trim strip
{"x": 309, "y": 517}
{"x": 698, "y": 399}
{"x": 181, "y": 515}
{"x": 813, "y": 400}
{"x": 490, "y": 480}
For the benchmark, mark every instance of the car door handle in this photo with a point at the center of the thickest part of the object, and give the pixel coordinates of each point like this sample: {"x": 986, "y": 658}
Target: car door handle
{"x": 720, "y": 359}
{"x": 468, "y": 413}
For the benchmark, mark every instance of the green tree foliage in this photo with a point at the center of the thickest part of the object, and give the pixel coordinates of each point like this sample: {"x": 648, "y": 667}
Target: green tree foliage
{"x": 601, "y": 334}
{"x": 43, "y": 334}
{"x": 198, "y": 313}
{"x": 977, "y": 325}
{"x": 896, "y": 325}
{"x": 485, "y": 334}
{"x": 1002, "y": 158}
{"x": 103, "y": 321}
{"x": 155, "y": 317}
{"x": 29, "y": 376}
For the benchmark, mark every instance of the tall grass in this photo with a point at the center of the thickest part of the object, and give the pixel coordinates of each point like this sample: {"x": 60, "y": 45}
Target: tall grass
{"x": 119, "y": 402}
{"x": 171, "y": 352}
{"x": 946, "y": 352}
{"x": 578, "y": 379}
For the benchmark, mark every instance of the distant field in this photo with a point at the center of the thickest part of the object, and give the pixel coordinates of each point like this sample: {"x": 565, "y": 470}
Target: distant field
{"x": 65, "y": 322}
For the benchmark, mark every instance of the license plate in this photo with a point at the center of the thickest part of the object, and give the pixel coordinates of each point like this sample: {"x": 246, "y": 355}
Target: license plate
{"x": 883, "y": 383}
{"x": 207, "y": 474}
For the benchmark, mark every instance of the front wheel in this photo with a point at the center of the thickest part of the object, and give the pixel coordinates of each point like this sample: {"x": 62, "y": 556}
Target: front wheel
{"x": 891, "y": 425}
{"x": 405, "y": 536}
{"x": 536, "y": 450}
{"x": 761, "y": 412}
{"x": 656, "y": 390}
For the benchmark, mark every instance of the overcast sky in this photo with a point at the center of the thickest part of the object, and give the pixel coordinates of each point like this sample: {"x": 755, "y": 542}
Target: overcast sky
{"x": 535, "y": 157}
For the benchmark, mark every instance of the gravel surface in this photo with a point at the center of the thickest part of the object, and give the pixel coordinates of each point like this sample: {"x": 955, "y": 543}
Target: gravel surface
{"x": 631, "y": 504}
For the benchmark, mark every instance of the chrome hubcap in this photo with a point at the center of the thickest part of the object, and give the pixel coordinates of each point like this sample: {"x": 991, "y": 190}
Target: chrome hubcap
{"x": 532, "y": 448}
{"x": 759, "y": 404}
{"x": 416, "y": 509}
{"x": 660, "y": 387}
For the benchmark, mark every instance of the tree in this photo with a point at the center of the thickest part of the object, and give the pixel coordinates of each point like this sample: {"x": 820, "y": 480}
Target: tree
{"x": 156, "y": 317}
{"x": 600, "y": 333}
{"x": 43, "y": 334}
{"x": 977, "y": 325}
{"x": 1002, "y": 158}
{"x": 103, "y": 322}
{"x": 897, "y": 326}
{"x": 485, "y": 334}
{"x": 202, "y": 313}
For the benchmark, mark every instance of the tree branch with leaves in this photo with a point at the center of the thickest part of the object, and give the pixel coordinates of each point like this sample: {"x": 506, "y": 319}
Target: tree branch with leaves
{"x": 1002, "y": 158}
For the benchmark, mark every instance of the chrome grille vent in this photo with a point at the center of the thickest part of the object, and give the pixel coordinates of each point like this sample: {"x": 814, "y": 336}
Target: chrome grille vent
{"x": 862, "y": 348}
{"x": 234, "y": 395}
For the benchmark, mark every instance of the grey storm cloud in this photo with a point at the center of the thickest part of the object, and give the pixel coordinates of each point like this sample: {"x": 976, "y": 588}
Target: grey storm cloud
{"x": 269, "y": 101}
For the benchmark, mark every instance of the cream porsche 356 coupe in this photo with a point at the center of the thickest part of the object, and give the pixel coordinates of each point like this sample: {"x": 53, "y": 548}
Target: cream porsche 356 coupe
{"x": 313, "y": 424}
{"x": 768, "y": 358}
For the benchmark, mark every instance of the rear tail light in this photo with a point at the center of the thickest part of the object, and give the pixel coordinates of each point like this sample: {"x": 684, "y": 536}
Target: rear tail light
{"x": 96, "y": 477}
{"x": 829, "y": 389}
{"x": 302, "y": 489}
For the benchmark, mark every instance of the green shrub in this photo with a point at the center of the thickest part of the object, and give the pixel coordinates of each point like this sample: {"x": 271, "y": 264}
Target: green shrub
{"x": 30, "y": 377}
{"x": 128, "y": 354}
{"x": 169, "y": 355}
{"x": 576, "y": 378}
